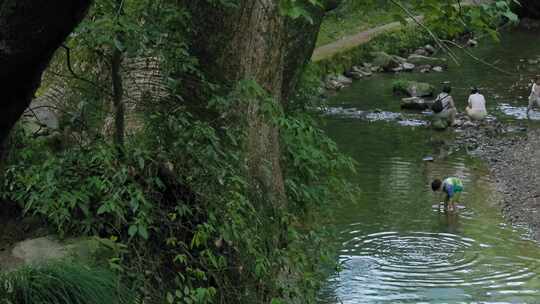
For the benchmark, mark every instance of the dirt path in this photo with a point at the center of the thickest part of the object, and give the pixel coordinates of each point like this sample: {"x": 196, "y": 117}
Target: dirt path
{"x": 352, "y": 41}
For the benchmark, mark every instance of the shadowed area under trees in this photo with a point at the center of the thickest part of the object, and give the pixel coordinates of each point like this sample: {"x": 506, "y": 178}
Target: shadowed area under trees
{"x": 185, "y": 138}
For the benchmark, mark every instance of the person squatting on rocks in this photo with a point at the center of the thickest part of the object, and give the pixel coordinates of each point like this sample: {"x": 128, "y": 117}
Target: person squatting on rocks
{"x": 534, "y": 98}
{"x": 452, "y": 187}
{"x": 476, "y": 110}
{"x": 448, "y": 110}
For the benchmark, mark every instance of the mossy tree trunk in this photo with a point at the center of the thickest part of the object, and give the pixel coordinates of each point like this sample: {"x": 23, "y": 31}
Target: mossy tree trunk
{"x": 254, "y": 41}
{"x": 30, "y": 32}
{"x": 118, "y": 88}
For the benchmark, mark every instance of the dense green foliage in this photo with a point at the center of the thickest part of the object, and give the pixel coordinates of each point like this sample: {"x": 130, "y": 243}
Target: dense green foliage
{"x": 178, "y": 197}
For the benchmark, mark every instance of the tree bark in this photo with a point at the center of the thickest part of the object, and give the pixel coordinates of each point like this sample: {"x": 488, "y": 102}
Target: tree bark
{"x": 118, "y": 90}
{"x": 30, "y": 32}
{"x": 248, "y": 43}
{"x": 255, "y": 41}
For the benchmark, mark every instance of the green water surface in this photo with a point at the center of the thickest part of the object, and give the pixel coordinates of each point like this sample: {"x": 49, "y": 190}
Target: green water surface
{"x": 395, "y": 245}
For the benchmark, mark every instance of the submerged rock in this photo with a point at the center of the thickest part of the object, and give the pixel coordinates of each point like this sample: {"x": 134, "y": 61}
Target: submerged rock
{"x": 413, "y": 88}
{"x": 364, "y": 71}
{"x": 424, "y": 60}
{"x": 422, "y": 52}
{"x": 415, "y": 103}
{"x": 337, "y": 82}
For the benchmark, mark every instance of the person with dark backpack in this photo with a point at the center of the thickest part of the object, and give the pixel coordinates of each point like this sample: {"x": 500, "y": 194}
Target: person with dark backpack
{"x": 444, "y": 108}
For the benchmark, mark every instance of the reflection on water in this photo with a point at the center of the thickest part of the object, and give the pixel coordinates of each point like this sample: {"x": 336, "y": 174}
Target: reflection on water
{"x": 398, "y": 247}
{"x": 395, "y": 246}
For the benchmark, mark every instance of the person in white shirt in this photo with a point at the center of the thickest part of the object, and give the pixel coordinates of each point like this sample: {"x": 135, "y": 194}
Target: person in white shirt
{"x": 534, "y": 98}
{"x": 476, "y": 110}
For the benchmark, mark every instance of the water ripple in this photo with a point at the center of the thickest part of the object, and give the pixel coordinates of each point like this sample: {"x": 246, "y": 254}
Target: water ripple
{"x": 389, "y": 267}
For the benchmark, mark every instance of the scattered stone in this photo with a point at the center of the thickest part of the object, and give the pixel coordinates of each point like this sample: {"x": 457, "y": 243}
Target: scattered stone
{"x": 424, "y": 60}
{"x": 415, "y": 103}
{"x": 364, "y": 71}
{"x": 422, "y": 52}
{"x": 408, "y": 67}
{"x": 337, "y": 82}
{"x": 44, "y": 249}
{"x": 413, "y": 88}
{"x": 472, "y": 43}
{"x": 438, "y": 69}
{"x": 398, "y": 69}
{"x": 353, "y": 74}
{"x": 430, "y": 49}
{"x": 385, "y": 61}
{"x": 533, "y": 61}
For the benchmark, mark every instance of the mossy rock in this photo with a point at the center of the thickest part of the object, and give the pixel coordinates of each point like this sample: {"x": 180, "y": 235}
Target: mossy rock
{"x": 413, "y": 88}
{"x": 385, "y": 61}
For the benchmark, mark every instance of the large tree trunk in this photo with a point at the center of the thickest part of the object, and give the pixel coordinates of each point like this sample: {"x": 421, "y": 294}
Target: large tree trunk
{"x": 254, "y": 41}
{"x": 248, "y": 43}
{"x": 30, "y": 32}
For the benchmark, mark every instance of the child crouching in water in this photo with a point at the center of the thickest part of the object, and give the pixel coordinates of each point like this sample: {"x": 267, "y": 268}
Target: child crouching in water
{"x": 452, "y": 187}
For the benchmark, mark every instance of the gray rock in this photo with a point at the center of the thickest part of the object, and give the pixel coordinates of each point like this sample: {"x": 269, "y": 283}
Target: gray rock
{"x": 431, "y": 50}
{"x": 44, "y": 249}
{"x": 438, "y": 69}
{"x": 413, "y": 88}
{"x": 353, "y": 74}
{"x": 408, "y": 66}
{"x": 398, "y": 69}
{"x": 421, "y": 52}
{"x": 39, "y": 250}
{"x": 424, "y": 60}
{"x": 365, "y": 72}
{"x": 385, "y": 61}
{"x": 333, "y": 85}
{"x": 415, "y": 103}
{"x": 337, "y": 82}
{"x": 472, "y": 43}
{"x": 343, "y": 79}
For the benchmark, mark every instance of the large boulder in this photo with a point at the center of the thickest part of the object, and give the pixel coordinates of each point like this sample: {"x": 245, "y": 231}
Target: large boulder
{"x": 425, "y": 60}
{"x": 44, "y": 249}
{"x": 385, "y": 61}
{"x": 413, "y": 88}
{"x": 337, "y": 82}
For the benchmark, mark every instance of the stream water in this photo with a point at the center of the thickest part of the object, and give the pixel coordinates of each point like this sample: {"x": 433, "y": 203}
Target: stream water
{"x": 395, "y": 245}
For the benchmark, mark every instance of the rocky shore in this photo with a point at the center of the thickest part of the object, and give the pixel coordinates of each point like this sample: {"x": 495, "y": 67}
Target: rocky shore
{"x": 512, "y": 153}
{"x": 515, "y": 166}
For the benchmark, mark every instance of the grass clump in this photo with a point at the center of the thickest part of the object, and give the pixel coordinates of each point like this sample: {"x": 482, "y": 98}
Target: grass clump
{"x": 61, "y": 283}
